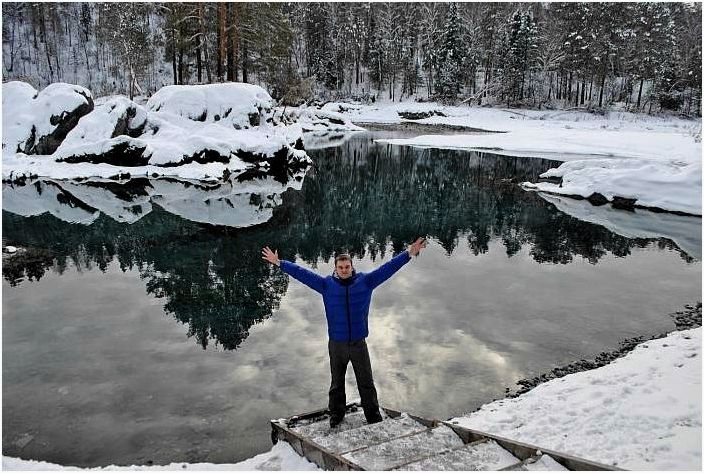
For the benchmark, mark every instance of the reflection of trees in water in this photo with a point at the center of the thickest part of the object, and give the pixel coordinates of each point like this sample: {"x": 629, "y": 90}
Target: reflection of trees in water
{"x": 394, "y": 194}
{"x": 359, "y": 198}
{"x": 213, "y": 280}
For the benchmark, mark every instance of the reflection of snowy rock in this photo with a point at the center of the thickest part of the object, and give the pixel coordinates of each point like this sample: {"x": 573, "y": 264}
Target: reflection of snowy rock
{"x": 122, "y": 202}
{"x": 234, "y": 204}
{"x": 36, "y": 122}
{"x": 45, "y": 196}
{"x": 683, "y": 230}
{"x": 229, "y": 203}
{"x": 326, "y": 140}
{"x": 203, "y": 132}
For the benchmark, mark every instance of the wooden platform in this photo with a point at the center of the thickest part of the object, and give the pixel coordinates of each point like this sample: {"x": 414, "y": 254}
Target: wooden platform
{"x": 407, "y": 442}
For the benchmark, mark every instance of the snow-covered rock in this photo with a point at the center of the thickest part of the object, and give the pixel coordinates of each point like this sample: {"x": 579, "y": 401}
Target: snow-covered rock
{"x": 171, "y": 136}
{"x": 665, "y": 185}
{"x": 322, "y": 120}
{"x": 37, "y": 122}
{"x": 234, "y": 104}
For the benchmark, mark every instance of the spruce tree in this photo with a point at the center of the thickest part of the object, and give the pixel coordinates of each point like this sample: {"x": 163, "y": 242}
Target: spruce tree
{"x": 518, "y": 55}
{"x": 451, "y": 58}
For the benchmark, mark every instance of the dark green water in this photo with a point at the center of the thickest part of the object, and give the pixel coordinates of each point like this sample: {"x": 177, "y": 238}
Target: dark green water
{"x": 168, "y": 339}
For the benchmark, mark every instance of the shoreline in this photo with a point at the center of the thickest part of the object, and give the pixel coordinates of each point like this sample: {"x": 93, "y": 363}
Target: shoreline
{"x": 421, "y": 127}
{"x": 689, "y": 317}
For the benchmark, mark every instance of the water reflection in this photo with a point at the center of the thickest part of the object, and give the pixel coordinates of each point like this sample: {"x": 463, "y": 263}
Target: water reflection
{"x": 197, "y": 245}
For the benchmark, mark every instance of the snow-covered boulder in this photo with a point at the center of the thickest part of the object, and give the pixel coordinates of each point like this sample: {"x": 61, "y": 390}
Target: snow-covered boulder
{"x": 322, "y": 120}
{"x": 235, "y": 104}
{"x": 120, "y": 137}
{"x": 656, "y": 184}
{"x": 115, "y": 116}
{"x": 37, "y": 122}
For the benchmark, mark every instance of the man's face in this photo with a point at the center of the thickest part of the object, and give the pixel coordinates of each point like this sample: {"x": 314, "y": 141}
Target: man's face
{"x": 343, "y": 269}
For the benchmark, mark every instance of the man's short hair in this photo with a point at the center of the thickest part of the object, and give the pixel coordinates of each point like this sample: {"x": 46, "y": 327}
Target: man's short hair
{"x": 343, "y": 257}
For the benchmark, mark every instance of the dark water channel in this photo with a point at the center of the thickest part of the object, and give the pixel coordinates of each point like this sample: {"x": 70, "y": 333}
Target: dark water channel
{"x": 143, "y": 325}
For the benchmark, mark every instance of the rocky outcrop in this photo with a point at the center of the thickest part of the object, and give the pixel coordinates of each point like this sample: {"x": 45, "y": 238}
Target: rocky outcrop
{"x": 226, "y": 128}
{"x": 419, "y": 115}
{"x": 46, "y": 117}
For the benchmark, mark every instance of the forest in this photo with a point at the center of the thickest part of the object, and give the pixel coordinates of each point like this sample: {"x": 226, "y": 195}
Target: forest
{"x": 634, "y": 56}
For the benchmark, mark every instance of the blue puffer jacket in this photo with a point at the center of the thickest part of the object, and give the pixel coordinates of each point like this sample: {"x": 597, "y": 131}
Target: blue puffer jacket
{"x": 347, "y": 302}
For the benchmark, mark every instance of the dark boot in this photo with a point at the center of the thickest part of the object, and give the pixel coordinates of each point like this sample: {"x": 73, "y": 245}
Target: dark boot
{"x": 335, "y": 420}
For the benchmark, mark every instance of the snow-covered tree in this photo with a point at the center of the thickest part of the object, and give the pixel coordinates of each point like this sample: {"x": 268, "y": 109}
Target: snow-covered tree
{"x": 518, "y": 55}
{"x": 451, "y": 58}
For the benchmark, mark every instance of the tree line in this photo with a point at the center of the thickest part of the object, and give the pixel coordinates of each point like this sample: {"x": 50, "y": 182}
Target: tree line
{"x": 646, "y": 56}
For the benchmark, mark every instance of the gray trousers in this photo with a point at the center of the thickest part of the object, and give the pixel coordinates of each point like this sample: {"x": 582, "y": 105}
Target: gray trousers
{"x": 341, "y": 353}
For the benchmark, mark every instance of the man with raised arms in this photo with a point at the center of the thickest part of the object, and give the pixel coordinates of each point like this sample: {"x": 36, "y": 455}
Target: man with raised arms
{"x": 347, "y": 295}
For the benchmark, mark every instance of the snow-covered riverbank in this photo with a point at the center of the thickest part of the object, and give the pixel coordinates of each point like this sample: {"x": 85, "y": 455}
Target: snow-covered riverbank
{"x": 655, "y": 161}
{"x": 642, "y": 412}
{"x": 200, "y": 132}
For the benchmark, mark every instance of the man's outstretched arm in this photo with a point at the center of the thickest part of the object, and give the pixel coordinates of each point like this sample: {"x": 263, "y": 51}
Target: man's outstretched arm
{"x": 388, "y": 269}
{"x": 307, "y": 277}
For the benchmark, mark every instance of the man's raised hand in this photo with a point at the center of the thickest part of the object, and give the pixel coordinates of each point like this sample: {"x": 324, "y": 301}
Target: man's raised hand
{"x": 271, "y": 256}
{"x": 417, "y": 245}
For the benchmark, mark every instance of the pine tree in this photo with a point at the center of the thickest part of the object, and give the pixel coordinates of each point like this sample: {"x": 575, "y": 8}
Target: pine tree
{"x": 451, "y": 58}
{"x": 518, "y": 54}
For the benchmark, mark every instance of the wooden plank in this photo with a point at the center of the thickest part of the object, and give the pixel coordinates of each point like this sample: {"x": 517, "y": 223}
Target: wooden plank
{"x": 317, "y": 454}
{"x": 400, "y": 465}
{"x": 326, "y": 459}
{"x": 523, "y": 451}
{"x": 518, "y": 466}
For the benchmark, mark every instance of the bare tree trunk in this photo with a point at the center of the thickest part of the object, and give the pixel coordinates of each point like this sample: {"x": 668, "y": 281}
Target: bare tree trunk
{"x": 173, "y": 55}
{"x": 12, "y": 47}
{"x": 236, "y": 37}
{"x": 245, "y": 65}
{"x": 229, "y": 47}
{"x": 204, "y": 43}
{"x": 591, "y": 84}
{"x": 640, "y": 92}
{"x": 199, "y": 64}
{"x": 222, "y": 39}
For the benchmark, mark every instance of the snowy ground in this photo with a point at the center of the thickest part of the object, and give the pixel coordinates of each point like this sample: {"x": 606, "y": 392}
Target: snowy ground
{"x": 280, "y": 457}
{"x": 641, "y": 412}
{"x": 655, "y": 160}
